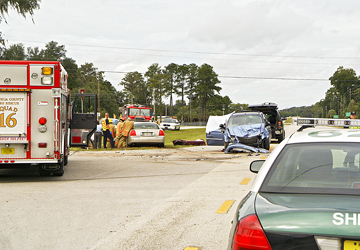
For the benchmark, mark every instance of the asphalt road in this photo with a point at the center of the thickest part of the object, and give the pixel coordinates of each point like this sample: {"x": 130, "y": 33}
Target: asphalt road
{"x": 129, "y": 199}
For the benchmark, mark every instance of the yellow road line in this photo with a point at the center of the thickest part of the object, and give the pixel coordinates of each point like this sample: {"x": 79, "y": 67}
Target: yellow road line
{"x": 245, "y": 181}
{"x": 263, "y": 157}
{"x": 225, "y": 207}
{"x": 191, "y": 248}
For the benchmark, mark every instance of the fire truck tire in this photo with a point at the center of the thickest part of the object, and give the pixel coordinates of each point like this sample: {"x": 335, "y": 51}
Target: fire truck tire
{"x": 66, "y": 160}
{"x": 60, "y": 171}
{"x": 43, "y": 172}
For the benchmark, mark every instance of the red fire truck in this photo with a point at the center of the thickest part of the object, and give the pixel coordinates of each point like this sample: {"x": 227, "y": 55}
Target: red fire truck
{"x": 136, "y": 111}
{"x": 38, "y": 122}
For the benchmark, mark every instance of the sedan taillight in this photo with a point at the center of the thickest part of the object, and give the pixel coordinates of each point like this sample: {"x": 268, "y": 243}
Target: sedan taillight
{"x": 161, "y": 133}
{"x": 249, "y": 234}
{"x": 132, "y": 133}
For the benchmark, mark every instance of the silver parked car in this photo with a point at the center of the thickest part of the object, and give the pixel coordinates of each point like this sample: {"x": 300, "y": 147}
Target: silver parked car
{"x": 146, "y": 133}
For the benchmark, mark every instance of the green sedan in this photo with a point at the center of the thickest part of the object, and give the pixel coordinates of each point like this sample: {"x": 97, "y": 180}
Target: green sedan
{"x": 306, "y": 195}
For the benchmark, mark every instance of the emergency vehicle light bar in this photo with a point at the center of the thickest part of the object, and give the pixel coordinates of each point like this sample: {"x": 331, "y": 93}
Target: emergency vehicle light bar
{"x": 15, "y": 90}
{"x": 328, "y": 122}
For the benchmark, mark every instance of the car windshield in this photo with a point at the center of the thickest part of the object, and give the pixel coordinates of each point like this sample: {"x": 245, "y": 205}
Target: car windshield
{"x": 134, "y": 111}
{"x": 245, "y": 119}
{"x": 326, "y": 168}
{"x": 145, "y": 112}
{"x": 146, "y": 125}
{"x": 169, "y": 120}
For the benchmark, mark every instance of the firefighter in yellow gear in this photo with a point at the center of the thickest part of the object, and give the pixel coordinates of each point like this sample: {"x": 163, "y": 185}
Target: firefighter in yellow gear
{"x": 128, "y": 125}
{"x": 119, "y": 129}
{"x": 112, "y": 130}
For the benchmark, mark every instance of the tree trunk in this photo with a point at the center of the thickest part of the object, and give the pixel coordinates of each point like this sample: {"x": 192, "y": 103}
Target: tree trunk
{"x": 190, "y": 105}
{"x": 171, "y": 106}
{"x": 182, "y": 103}
{"x": 200, "y": 107}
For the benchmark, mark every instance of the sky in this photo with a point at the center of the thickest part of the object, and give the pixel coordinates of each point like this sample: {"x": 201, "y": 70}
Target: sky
{"x": 280, "y": 51}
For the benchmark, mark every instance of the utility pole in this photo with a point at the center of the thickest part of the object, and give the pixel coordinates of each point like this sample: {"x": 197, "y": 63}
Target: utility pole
{"x": 98, "y": 94}
{"x": 350, "y": 101}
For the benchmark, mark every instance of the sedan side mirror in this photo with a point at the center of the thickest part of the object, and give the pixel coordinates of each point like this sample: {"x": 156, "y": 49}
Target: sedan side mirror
{"x": 256, "y": 165}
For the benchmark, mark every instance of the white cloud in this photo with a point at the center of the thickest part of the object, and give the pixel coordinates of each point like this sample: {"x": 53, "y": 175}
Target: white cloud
{"x": 259, "y": 39}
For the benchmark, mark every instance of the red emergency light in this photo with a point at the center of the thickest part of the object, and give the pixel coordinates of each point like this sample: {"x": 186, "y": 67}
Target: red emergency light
{"x": 42, "y": 121}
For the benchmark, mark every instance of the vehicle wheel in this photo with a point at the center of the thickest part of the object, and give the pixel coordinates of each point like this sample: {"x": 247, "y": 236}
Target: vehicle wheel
{"x": 266, "y": 144}
{"x": 66, "y": 160}
{"x": 43, "y": 172}
{"x": 60, "y": 171}
{"x": 281, "y": 137}
{"x": 162, "y": 145}
{"x": 58, "y": 174}
{"x": 226, "y": 145}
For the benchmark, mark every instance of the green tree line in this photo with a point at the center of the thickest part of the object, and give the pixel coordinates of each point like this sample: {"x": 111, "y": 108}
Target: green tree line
{"x": 341, "y": 99}
{"x": 196, "y": 86}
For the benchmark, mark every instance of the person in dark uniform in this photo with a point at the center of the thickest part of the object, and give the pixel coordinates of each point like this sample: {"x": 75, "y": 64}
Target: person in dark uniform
{"x": 106, "y": 131}
{"x": 97, "y": 136}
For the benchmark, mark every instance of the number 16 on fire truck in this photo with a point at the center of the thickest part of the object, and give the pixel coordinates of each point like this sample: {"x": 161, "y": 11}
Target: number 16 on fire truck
{"x": 38, "y": 124}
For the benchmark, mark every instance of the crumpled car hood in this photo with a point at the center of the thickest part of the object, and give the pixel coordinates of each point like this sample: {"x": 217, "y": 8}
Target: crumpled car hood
{"x": 247, "y": 131}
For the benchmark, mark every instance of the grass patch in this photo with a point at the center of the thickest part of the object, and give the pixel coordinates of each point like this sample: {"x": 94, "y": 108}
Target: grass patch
{"x": 288, "y": 120}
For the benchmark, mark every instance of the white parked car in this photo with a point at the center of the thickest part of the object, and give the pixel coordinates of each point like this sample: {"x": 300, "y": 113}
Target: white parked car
{"x": 170, "y": 123}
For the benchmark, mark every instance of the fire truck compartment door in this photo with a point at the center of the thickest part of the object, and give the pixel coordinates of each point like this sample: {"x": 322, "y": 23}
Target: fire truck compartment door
{"x": 13, "y": 113}
{"x": 83, "y": 122}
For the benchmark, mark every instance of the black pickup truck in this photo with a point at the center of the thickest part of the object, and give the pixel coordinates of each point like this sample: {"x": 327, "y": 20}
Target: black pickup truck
{"x": 271, "y": 111}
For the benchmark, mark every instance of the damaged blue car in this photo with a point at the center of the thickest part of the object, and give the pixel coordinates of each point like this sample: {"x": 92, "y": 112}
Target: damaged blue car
{"x": 247, "y": 130}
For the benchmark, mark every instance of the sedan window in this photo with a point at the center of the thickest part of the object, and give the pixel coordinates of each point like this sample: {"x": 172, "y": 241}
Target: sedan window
{"x": 316, "y": 168}
{"x": 170, "y": 120}
{"x": 147, "y": 125}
